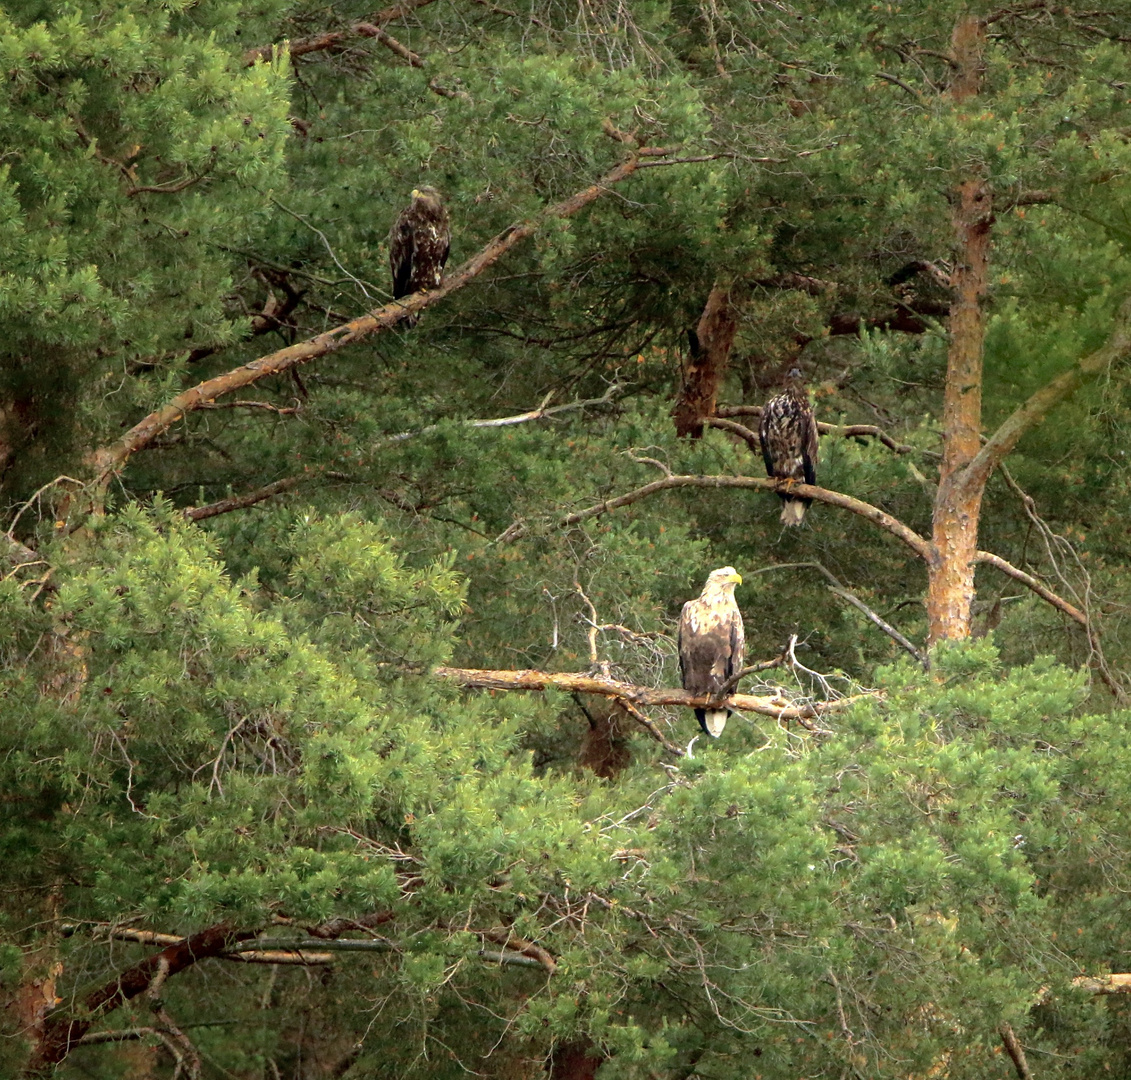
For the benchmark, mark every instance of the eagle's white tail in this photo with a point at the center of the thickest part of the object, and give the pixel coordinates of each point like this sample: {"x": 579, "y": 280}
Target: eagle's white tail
{"x": 715, "y": 720}
{"x": 793, "y": 511}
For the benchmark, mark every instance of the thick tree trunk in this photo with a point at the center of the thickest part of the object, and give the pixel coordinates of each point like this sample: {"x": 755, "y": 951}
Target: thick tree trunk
{"x": 711, "y": 343}
{"x": 958, "y": 503}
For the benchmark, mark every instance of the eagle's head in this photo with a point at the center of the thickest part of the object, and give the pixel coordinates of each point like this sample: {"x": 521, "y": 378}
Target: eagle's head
{"x": 428, "y": 195}
{"x": 723, "y": 580}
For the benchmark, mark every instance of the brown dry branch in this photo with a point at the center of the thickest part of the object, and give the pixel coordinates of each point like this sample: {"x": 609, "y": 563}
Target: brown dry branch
{"x": 776, "y": 706}
{"x": 1016, "y": 1052}
{"x": 632, "y": 711}
{"x": 62, "y": 1029}
{"x": 333, "y": 39}
{"x": 1030, "y": 582}
{"x": 509, "y": 940}
{"x": 241, "y": 502}
{"x": 109, "y": 459}
{"x": 920, "y": 546}
{"x": 878, "y": 517}
{"x": 837, "y": 589}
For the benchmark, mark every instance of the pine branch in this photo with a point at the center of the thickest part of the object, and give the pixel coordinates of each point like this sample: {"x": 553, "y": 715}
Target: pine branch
{"x": 1030, "y": 582}
{"x": 921, "y": 547}
{"x": 110, "y": 459}
{"x": 878, "y": 517}
{"x": 845, "y": 431}
{"x": 252, "y": 498}
{"x": 62, "y": 1030}
{"x": 333, "y": 39}
{"x": 1028, "y": 415}
{"x": 577, "y": 682}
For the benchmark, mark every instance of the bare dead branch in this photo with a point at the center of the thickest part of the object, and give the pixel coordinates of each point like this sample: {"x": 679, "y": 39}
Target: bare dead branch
{"x": 62, "y": 1030}
{"x": 649, "y": 727}
{"x": 291, "y": 957}
{"x": 111, "y": 458}
{"x": 776, "y": 706}
{"x": 885, "y": 521}
{"x": 540, "y": 413}
{"x": 241, "y": 502}
{"x": 391, "y": 43}
{"x": 1031, "y": 582}
{"x": 838, "y": 589}
{"x": 166, "y": 189}
{"x": 751, "y": 438}
{"x": 509, "y": 940}
{"x": 897, "y": 82}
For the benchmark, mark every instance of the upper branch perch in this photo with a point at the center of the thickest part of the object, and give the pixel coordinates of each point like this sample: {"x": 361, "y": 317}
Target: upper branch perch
{"x": 111, "y": 458}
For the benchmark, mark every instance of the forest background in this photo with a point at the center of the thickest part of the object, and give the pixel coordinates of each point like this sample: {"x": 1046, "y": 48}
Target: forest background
{"x": 340, "y": 724}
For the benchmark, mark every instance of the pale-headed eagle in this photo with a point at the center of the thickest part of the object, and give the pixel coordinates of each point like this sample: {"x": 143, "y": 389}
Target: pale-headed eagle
{"x": 789, "y": 443}
{"x": 712, "y": 644}
{"x": 419, "y": 242}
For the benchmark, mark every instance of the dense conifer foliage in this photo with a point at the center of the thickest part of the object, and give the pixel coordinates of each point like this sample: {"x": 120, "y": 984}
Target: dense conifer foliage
{"x": 340, "y": 730}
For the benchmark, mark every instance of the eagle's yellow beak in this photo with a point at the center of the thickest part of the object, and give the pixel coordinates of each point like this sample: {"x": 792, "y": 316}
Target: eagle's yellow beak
{"x": 738, "y": 579}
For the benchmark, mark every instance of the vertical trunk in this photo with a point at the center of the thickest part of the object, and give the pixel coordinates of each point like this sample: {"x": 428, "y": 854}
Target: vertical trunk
{"x": 711, "y": 343}
{"x": 958, "y": 504}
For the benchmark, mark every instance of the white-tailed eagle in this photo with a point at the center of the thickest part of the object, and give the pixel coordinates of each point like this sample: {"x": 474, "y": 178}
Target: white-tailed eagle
{"x": 789, "y": 443}
{"x": 712, "y": 644}
{"x": 419, "y": 242}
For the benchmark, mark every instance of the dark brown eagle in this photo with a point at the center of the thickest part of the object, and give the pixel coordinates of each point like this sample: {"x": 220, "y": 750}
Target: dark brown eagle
{"x": 712, "y": 644}
{"x": 419, "y": 242}
{"x": 789, "y": 443}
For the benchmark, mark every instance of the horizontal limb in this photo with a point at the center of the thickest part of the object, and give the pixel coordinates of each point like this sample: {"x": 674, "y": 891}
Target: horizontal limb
{"x": 776, "y": 706}
{"x": 885, "y": 521}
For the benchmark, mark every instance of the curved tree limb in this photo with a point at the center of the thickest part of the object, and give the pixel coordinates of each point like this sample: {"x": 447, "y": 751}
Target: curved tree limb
{"x": 878, "y": 517}
{"x": 911, "y": 539}
{"x": 1030, "y": 582}
{"x": 845, "y": 431}
{"x": 111, "y": 458}
{"x": 1037, "y": 407}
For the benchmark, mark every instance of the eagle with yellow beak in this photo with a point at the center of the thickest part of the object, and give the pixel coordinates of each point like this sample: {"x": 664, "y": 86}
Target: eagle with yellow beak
{"x": 712, "y": 644}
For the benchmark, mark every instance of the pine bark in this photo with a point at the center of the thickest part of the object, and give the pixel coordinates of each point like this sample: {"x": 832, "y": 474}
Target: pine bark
{"x": 958, "y": 504}
{"x": 710, "y": 353}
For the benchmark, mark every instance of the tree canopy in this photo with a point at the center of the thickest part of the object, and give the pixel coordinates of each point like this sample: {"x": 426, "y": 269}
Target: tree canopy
{"x": 340, "y": 723}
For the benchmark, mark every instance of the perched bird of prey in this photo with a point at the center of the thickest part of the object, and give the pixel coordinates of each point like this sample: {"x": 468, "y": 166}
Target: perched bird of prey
{"x": 712, "y": 644}
{"x": 789, "y": 443}
{"x": 419, "y": 242}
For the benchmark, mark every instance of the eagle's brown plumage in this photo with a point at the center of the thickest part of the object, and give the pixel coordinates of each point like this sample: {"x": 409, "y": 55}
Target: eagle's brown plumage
{"x": 419, "y": 242}
{"x": 789, "y": 443}
{"x": 712, "y": 644}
